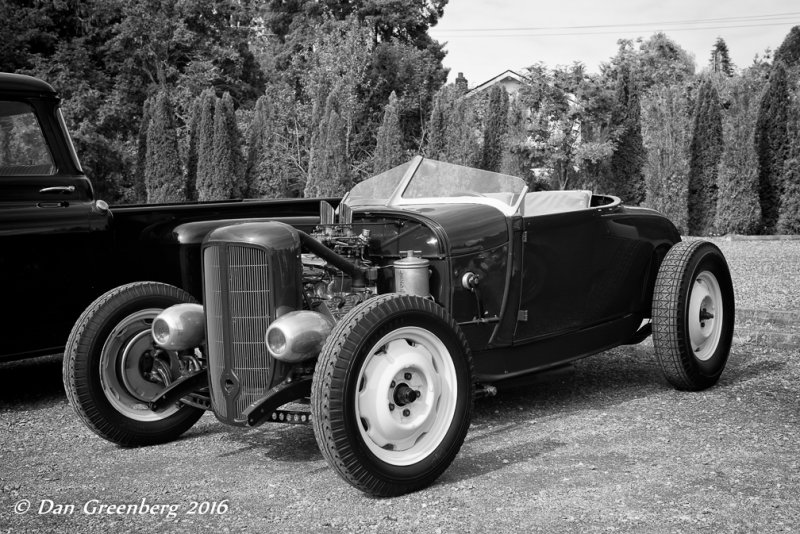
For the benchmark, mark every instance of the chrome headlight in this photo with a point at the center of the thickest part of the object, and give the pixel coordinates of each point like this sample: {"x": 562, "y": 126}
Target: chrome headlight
{"x": 179, "y": 327}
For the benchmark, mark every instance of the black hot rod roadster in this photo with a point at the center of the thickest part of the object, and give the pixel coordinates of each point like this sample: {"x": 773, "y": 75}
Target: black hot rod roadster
{"x": 430, "y": 284}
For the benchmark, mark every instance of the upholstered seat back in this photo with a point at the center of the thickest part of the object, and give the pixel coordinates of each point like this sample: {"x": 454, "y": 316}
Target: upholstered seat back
{"x": 546, "y": 202}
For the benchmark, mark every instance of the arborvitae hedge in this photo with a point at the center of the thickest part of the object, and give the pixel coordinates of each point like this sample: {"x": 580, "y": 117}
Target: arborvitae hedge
{"x": 191, "y": 155}
{"x": 789, "y": 212}
{"x": 227, "y": 150}
{"x": 738, "y": 210}
{"x": 437, "y": 125}
{"x": 666, "y": 132}
{"x": 163, "y": 174}
{"x": 772, "y": 145}
{"x": 494, "y": 129}
{"x": 257, "y": 139}
{"x": 206, "y": 168}
{"x": 626, "y": 179}
{"x": 705, "y": 154}
{"x": 139, "y": 192}
{"x": 389, "y": 149}
{"x": 329, "y": 170}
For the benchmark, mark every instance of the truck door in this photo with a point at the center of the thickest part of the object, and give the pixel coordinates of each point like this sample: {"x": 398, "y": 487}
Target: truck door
{"x": 48, "y": 231}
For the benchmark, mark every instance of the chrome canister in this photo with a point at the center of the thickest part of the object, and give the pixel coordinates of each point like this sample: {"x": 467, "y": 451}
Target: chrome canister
{"x": 411, "y": 275}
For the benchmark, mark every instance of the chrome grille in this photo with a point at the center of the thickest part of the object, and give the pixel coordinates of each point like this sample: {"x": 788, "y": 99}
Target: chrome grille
{"x": 238, "y": 312}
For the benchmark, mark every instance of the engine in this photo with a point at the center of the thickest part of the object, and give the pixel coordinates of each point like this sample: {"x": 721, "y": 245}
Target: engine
{"x": 329, "y": 289}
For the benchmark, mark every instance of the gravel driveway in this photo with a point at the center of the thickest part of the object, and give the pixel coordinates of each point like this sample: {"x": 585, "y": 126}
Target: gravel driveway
{"x": 606, "y": 445}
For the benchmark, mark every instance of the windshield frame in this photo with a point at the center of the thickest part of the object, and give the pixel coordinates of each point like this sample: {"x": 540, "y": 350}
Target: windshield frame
{"x": 397, "y": 200}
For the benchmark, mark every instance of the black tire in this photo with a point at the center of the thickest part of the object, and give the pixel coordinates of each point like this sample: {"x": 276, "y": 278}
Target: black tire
{"x": 693, "y": 283}
{"x": 351, "y": 428}
{"x": 117, "y": 324}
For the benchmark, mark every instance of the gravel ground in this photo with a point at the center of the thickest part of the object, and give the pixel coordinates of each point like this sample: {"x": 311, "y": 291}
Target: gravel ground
{"x": 606, "y": 445}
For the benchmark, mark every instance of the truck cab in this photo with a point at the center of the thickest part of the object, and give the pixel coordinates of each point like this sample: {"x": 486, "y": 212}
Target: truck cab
{"x": 51, "y": 227}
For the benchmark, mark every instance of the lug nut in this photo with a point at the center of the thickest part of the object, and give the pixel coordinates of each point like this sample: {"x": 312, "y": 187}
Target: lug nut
{"x": 392, "y": 384}
{"x": 391, "y": 407}
{"x": 407, "y": 376}
{"x": 406, "y": 412}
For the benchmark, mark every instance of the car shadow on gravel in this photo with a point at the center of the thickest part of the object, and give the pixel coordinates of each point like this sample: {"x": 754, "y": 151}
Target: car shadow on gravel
{"x": 289, "y": 443}
{"x": 30, "y": 381}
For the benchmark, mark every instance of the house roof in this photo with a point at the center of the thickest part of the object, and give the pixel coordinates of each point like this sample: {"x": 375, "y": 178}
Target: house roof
{"x": 503, "y": 76}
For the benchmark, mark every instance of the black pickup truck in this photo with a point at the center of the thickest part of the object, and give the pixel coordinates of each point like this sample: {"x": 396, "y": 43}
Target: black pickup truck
{"x": 60, "y": 247}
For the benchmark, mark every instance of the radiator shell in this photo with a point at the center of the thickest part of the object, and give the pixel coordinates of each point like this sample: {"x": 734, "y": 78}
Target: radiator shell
{"x": 252, "y": 274}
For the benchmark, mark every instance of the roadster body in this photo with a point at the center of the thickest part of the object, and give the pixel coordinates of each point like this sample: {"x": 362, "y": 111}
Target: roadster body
{"x": 431, "y": 284}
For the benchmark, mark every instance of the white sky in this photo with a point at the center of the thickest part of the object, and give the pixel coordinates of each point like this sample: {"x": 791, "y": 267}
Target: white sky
{"x": 486, "y": 37}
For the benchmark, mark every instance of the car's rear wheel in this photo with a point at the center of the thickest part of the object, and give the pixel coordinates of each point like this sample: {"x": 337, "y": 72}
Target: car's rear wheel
{"x": 392, "y": 394}
{"x": 693, "y": 315}
{"x": 112, "y": 369}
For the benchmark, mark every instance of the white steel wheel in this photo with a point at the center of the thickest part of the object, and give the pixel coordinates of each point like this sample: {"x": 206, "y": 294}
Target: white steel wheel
{"x": 406, "y": 395}
{"x": 705, "y": 316}
{"x": 693, "y": 314}
{"x": 392, "y": 394}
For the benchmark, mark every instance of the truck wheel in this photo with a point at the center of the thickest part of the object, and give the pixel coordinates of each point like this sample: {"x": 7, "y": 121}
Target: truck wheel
{"x": 392, "y": 394}
{"x": 693, "y": 315}
{"x": 111, "y": 370}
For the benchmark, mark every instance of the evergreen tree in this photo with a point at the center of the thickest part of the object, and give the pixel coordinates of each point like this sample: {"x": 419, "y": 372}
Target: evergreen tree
{"x": 329, "y": 170}
{"x": 272, "y": 171}
{"x": 720, "y": 60}
{"x": 389, "y": 150}
{"x": 256, "y": 146}
{"x": 789, "y": 51}
{"x": 138, "y": 193}
{"x": 666, "y": 133}
{"x": 789, "y": 212}
{"x": 191, "y": 153}
{"x": 227, "y": 155}
{"x": 462, "y": 147}
{"x": 515, "y": 154}
{"x": 627, "y": 163}
{"x": 738, "y": 209}
{"x": 206, "y": 165}
{"x": 495, "y": 129}
{"x": 705, "y": 154}
{"x": 437, "y": 125}
{"x": 163, "y": 175}
{"x": 772, "y": 144}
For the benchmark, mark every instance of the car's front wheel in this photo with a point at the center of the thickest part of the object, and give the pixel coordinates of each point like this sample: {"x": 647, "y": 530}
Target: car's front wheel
{"x": 112, "y": 368}
{"x": 693, "y": 315}
{"x": 392, "y": 394}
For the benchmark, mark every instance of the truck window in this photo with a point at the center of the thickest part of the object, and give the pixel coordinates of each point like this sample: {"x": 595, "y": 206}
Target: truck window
{"x": 23, "y": 150}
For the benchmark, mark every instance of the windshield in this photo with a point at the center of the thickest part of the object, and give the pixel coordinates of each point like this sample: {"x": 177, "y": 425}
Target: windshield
{"x": 427, "y": 181}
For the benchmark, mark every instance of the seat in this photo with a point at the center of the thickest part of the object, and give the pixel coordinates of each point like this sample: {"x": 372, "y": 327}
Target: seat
{"x": 547, "y": 202}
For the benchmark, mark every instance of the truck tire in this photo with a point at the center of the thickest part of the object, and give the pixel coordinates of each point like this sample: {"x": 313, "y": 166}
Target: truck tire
{"x": 392, "y": 394}
{"x": 693, "y": 315}
{"x": 107, "y": 355}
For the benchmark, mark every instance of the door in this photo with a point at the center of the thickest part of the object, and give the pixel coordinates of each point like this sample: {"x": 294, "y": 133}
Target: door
{"x": 49, "y": 231}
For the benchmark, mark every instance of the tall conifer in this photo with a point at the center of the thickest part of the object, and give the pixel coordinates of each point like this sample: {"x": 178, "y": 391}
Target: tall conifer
{"x": 705, "y": 154}
{"x": 389, "y": 150}
{"x": 494, "y": 130}
{"x": 772, "y": 145}
{"x": 163, "y": 175}
{"x": 206, "y": 166}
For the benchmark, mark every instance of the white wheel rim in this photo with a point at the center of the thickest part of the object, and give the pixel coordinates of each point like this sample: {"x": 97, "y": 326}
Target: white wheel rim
{"x": 122, "y": 383}
{"x": 397, "y": 430}
{"x": 705, "y": 315}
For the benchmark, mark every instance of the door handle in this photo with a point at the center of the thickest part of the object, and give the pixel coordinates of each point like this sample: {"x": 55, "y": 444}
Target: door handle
{"x": 53, "y": 204}
{"x": 58, "y": 189}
